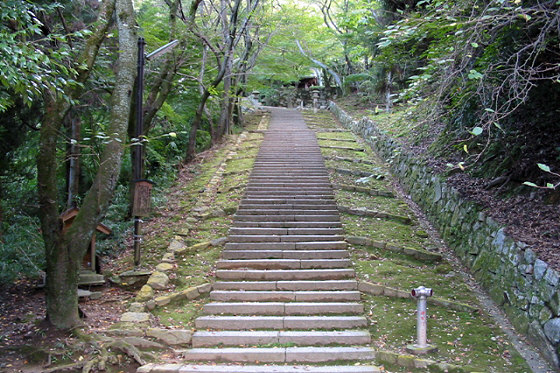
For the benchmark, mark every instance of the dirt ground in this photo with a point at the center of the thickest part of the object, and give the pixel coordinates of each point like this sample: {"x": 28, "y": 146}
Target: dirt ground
{"x": 28, "y": 344}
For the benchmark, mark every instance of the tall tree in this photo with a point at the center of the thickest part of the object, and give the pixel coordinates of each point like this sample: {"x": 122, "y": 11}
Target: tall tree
{"x": 231, "y": 22}
{"x": 65, "y": 250}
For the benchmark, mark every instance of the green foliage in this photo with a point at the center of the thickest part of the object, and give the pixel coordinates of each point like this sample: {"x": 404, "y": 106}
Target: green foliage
{"x": 486, "y": 70}
{"x": 281, "y": 61}
{"x": 28, "y": 62}
{"x": 21, "y": 249}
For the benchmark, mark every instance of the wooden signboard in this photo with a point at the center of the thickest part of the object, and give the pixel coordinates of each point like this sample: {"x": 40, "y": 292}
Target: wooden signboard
{"x": 142, "y": 204}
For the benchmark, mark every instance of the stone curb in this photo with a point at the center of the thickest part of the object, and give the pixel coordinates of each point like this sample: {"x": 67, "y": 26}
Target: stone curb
{"x": 377, "y": 289}
{"x": 353, "y": 160}
{"x": 374, "y": 214}
{"x": 416, "y": 254}
{"x": 412, "y": 362}
{"x": 371, "y": 192}
{"x": 338, "y": 140}
{"x": 342, "y": 148}
{"x": 356, "y": 173}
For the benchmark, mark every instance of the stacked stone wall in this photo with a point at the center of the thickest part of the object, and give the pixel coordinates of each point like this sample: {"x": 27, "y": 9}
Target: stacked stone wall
{"x": 526, "y": 287}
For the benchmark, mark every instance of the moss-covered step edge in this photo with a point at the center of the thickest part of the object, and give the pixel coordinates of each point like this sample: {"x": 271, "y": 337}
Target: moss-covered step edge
{"x": 342, "y": 148}
{"x": 238, "y": 172}
{"x": 232, "y": 188}
{"x": 412, "y": 362}
{"x": 339, "y": 140}
{"x": 378, "y": 289}
{"x": 370, "y": 191}
{"x": 320, "y": 129}
{"x": 362, "y": 211}
{"x": 138, "y": 311}
{"x": 346, "y": 159}
{"x": 356, "y": 173}
{"x": 425, "y": 256}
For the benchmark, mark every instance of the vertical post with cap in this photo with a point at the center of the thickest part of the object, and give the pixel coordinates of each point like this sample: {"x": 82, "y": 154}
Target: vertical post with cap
{"x": 138, "y": 148}
{"x": 421, "y": 347}
{"x": 138, "y": 133}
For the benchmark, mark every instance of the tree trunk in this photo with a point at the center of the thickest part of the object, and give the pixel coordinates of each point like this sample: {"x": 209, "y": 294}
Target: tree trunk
{"x": 61, "y": 286}
{"x": 64, "y": 251}
{"x": 225, "y": 114}
{"x": 191, "y": 146}
{"x": 388, "y": 101}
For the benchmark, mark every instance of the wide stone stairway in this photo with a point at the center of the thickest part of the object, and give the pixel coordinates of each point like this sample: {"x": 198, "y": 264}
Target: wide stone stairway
{"x": 286, "y": 297}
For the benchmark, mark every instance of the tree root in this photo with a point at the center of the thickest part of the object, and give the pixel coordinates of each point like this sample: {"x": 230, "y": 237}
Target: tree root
{"x": 128, "y": 349}
{"x": 64, "y": 368}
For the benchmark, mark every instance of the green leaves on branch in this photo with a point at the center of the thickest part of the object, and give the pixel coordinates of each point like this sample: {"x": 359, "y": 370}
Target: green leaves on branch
{"x": 476, "y": 131}
{"x": 29, "y": 64}
{"x": 473, "y": 74}
{"x": 546, "y": 169}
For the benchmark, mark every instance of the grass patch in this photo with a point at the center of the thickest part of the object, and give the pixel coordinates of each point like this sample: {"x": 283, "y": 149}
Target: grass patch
{"x": 377, "y": 203}
{"x": 196, "y": 268}
{"x": 371, "y": 183}
{"x": 403, "y": 272}
{"x": 462, "y": 338}
{"x": 355, "y": 166}
{"x": 347, "y": 143}
{"x": 337, "y": 135}
{"x": 386, "y": 230}
{"x": 182, "y": 314}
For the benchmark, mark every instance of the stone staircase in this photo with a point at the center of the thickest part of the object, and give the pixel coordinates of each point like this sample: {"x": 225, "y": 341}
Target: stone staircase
{"x": 286, "y": 298}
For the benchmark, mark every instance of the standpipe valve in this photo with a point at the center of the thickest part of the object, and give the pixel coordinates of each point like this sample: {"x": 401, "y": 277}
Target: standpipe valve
{"x": 421, "y": 347}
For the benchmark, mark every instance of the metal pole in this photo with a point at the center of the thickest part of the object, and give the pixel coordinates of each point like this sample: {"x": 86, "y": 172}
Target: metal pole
{"x": 421, "y": 347}
{"x": 421, "y": 322}
{"x": 138, "y": 149}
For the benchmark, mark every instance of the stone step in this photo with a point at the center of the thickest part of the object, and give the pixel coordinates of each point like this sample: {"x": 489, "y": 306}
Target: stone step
{"x": 276, "y": 184}
{"x": 182, "y": 368}
{"x": 301, "y": 338}
{"x": 284, "y": 296}
{"x": 280, "y": 354}
{"x": 288, "y": 224}
{"x": 280, "y": 322}
{"x": 284, "y": 254}
{"x": 285, "y": 274}
{"x": 283, "y": 308}
{"x": 303, "y": 190}
{"x": 283, "y": 238}
{"x": 282, "y": 200}
{"x": 333, "y": 216}
{"x": 292, "y": 206}
{"x": 287, "y": 175}
{"x": 279, "y": 178}
{"x": 310, "y": 245}
{"x": 287, "y": 285}
{"x": 286, "y": 231}
{"x": 290, "y": 194}
{"x": 283, "y": 263}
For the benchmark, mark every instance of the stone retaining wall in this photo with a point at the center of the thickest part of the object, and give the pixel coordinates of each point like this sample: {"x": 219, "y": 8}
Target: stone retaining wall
{"x": 526, "y": 288}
